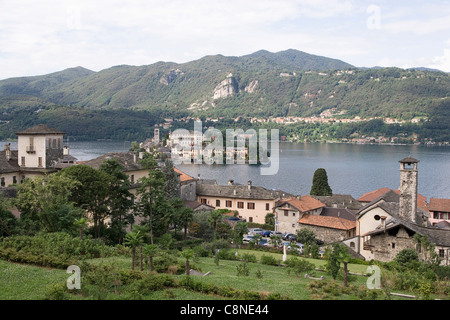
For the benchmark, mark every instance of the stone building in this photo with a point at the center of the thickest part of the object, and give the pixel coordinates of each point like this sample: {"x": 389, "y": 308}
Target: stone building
{"x": 40, "y": 150}
{"x": 388, "y": 224}
{"x": 329, "y": 224}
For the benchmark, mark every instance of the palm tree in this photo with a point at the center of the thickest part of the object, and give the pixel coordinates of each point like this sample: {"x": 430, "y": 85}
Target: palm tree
{"x": 81, "y": 223}
{"x": 187, "y": 254}
{"x": 214, "y": 219}
{"x": 150, "y": 250}
{"x": 134, "y": 239}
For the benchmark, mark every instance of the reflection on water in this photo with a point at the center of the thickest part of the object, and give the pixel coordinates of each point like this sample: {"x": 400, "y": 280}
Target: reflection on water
{"x": 352, "y": 169}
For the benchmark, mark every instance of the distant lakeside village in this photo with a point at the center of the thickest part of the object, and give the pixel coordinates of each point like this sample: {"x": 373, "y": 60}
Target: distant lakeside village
{"x": 329, "y": 116}
{"x": 375, "y": 226}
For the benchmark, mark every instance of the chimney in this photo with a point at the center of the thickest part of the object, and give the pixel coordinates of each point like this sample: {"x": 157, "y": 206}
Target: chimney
{"x": 8, "y": 151}
{"x": 66, "y": 151}
{"x": 230, "y": 182}
{"x": 249, "y": 184}
{"x": 134, "y": 157}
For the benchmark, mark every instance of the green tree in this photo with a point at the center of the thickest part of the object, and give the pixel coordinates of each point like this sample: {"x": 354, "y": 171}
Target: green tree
{"x": 8, "y": 222}
{"x": 151, "y": 198}
{"x": 306, "y": 236}
{"x": 134, "y": 239}
{"x": 150, "y": 250}
{"x": 188, "y": 254}
{"x": 119, "y": 199}
{"x": 172, "y": 182}
{"x": 238, "y": 232}
{"x": 320, "y": 185}
{"x": 214, "y": 218}
{"x": 44, "y": 203}
{"x": 92, "y": 192}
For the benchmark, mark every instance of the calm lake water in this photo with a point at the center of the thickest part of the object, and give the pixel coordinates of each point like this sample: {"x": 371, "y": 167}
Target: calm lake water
{"x": 352, "y": 169}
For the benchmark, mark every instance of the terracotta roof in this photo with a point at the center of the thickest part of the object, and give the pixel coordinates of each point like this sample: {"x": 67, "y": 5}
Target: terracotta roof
{"x": 183, "y": 176}
{"x": 442, "y": 205}
{"x": 327, "y": 222}
{"x": 40, "y": 129}
{"x": 375, "y": 194}
{"x": 304, "y": 204}
{"x": 372, "y": 195}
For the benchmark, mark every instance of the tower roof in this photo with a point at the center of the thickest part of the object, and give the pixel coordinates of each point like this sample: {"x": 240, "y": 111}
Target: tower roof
{"x": 409, "y": 160}
{"x": 40, "y": 129}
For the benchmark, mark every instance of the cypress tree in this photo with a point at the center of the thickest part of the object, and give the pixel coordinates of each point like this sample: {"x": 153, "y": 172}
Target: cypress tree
{"x": 320, "y": 185}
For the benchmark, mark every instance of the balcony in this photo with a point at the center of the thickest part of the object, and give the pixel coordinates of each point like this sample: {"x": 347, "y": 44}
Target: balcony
{"x": 31, "y": 149}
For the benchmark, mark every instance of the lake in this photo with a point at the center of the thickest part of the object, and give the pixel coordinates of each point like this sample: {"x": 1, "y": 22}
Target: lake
{"x": 352, "y": 169}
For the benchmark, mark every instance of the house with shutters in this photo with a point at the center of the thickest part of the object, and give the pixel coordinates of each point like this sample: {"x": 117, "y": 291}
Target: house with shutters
{"x": 40, "y": 151}
{"x": 252, "y": 203}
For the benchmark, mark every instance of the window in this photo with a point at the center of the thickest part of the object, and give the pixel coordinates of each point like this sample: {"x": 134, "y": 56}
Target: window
{"x": 250, "y": 219}
{"x": 377, "y": 217}
{"x": 203, "y": 200}
{"x": 22, "y": 161}
{"x": 40, "y": 162}
{"x": 217, "y": 203}
{"x": 2, "y": 182}
{"x": 267, "y": 206}
{"x": 14, "y": 180}
{"x": 286, "y": 213}
{"x": 132, "y": 178}
{"x": 250, "y": 205}
{"x": 441, "y": 253}
{"x": 228, "y": 203}
{"x": 54, "y": 144}
{"x": 240, "y": 205}
{"x": 393, "y": 245}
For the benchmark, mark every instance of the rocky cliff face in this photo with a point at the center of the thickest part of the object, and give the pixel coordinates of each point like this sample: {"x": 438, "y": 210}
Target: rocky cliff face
{"x": 226, "y": 88}
{"x": 170, "y": 77}
{"x": 251, "y": 86}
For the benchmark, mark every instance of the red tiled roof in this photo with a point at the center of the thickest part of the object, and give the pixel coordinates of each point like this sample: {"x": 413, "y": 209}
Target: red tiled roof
{"x": 305, "y": 203}
{"x": 328, "y": 222}
{"x": 442, "y": 205}
{"x": 183, "y": 176}
{"x": 372, "y": 195}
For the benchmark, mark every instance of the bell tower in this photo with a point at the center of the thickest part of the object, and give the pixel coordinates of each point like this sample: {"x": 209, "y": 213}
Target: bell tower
{"x": 408, "y": 188}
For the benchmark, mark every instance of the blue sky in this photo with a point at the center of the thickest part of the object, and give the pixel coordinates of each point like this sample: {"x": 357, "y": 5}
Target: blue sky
{"x": 39, "y": 37}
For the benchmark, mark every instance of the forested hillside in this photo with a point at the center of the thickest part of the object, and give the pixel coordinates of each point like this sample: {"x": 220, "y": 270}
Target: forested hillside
{"x": 126, "y": 101}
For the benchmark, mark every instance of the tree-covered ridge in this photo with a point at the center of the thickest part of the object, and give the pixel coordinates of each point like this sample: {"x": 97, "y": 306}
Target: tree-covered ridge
{"x": 124, "y": 102}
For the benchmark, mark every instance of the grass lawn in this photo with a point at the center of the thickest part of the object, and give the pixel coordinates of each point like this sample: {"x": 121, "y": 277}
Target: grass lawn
{"x": 25, "y": 282}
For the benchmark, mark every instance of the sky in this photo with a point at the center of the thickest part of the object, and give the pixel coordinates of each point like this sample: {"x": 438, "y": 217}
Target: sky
{"x": 40, "y": 37}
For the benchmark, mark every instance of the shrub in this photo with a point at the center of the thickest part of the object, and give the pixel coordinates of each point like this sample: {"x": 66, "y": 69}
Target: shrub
{"x": 269, "y": 260}
{"x": 243, "y": 269}
{"x": 407, "y": 256}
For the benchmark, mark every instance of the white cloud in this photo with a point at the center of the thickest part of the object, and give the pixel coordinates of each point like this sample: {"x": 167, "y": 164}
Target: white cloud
{"x": 46, "y": 36}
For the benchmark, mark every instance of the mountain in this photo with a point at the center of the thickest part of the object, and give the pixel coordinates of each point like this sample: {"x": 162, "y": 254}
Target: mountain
{"x": 263, "y": 84}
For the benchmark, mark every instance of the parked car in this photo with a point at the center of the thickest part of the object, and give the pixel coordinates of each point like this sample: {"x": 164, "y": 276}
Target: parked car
{"x": 275, "y": 233}
{"x": 289, "y": 237}
{"x": 255, "y": 230}
{"x": 266, "y": 233}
